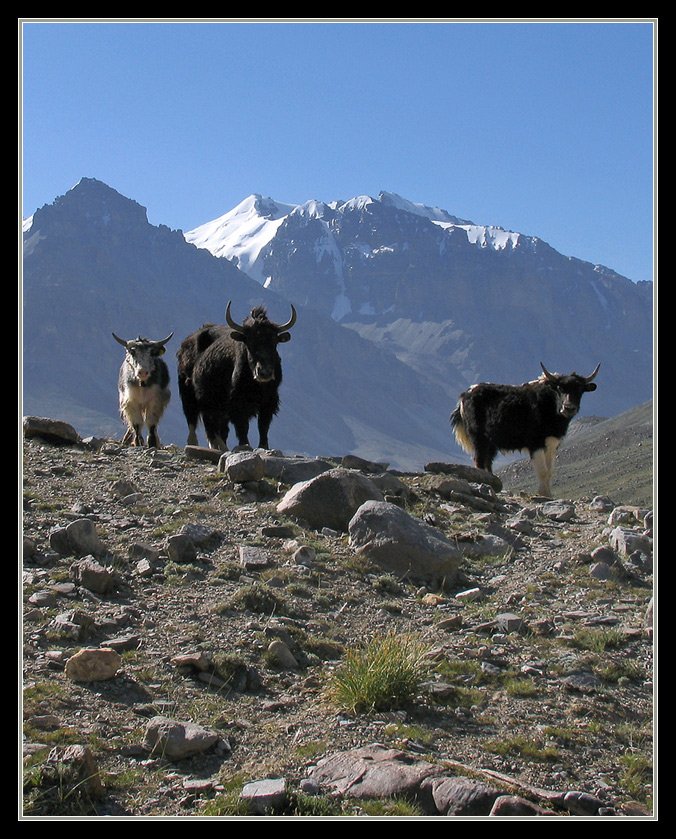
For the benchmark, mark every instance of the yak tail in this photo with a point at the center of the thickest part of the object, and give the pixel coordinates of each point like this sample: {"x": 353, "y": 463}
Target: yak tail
{"x": 458, "y": 426}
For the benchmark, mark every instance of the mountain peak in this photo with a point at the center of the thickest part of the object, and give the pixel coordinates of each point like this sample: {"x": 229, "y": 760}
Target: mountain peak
{"x": 391, "y": 199}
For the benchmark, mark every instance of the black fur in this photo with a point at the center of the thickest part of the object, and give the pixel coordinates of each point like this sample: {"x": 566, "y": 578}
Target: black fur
{"x": 220, "y": 374}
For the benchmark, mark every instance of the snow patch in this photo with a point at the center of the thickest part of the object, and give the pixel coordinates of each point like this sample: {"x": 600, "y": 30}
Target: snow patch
{"x": 341, "y": 307}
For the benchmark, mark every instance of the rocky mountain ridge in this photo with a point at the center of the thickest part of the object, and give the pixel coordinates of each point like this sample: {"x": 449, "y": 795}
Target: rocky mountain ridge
{"x": 430, "y": 313}
{"x": 183, "y": 621}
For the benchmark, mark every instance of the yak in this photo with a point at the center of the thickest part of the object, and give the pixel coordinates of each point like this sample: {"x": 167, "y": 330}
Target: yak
{"x": 230, "y": 374}
{"x": 534, "y": 417}
{"x": 143, "y": 388}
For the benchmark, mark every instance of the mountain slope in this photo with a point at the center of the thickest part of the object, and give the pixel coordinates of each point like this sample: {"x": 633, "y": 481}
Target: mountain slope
{"x": 456, "y": 301}
{"x": 611, "y": 457}
{"x": 93, "y": 265}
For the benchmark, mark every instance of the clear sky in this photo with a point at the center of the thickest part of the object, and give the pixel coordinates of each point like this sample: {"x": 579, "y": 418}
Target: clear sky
{"x": 543, "y": 127}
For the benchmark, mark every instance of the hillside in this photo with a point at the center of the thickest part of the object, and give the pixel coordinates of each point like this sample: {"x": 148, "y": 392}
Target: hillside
{"x": 611, "y": 457}
{"x": 182, "y": 634}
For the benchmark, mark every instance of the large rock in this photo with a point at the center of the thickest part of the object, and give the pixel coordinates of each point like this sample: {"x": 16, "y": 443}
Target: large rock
{"x": 293, "y": 470}
{"x": 91, "y": 575}
{"x": 175, "y": 739}
{"x": 55, "y": 431}
{"x": 79, "y": 538}
{"x": 241, "y": 467}
{"x": 329, "y": 500}
{"x": 467, "y": 473}
{"x": 93, "y": 665}
{"x": 626, "y": 541}
{"x": 402, "y": 544}
{"x": 376, "y": 772}
{"x": 462, "y": 796}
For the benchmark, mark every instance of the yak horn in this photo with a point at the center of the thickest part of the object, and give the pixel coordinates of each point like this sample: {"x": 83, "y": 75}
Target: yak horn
{"x": 284, "y": 326}
{"x": 594, "y": 374}
{"x": 120, "y": 341}
{"x": 237, "y": 327}
{"x": 548, "y": 375}
{"x": 166, "y": 340}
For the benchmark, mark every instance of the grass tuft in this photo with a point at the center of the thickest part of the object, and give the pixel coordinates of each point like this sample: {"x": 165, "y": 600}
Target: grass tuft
{"x": 384, "y": 674}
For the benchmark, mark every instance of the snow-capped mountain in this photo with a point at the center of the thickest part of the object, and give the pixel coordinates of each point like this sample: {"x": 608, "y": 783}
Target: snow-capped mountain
{"x": 93, "y": 265}
{"x": 457, "y": 301}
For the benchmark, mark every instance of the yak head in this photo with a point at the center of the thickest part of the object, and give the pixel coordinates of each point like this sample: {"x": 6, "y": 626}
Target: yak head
{"x": 142, "y": 354}
{"x": 569, "y": 389}
{"x": 260, "y": 337}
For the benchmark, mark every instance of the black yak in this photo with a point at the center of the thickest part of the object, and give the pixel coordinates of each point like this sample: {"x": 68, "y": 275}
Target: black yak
{"x": 230, "y": 374}
{"x": 534, "y": 417}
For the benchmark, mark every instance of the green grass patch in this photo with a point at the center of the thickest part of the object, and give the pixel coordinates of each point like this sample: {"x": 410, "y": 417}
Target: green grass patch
{"x": 384, "y": 674}
{"x": 597, "y": 640}
{"x": 637, "y": 776}
{"x": 390, "y": 807}
{"x": 524, "y": 748}
{"x": 255, "y": 598}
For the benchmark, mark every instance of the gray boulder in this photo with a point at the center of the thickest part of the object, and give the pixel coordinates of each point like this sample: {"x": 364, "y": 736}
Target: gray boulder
{"x": 402, "y": 544}
{"x": 329, "y": 500}
{"x": 626, "y": 541}
{"x": 375, "y": 772}
{"x": 175, "y": 740}
{"x": 462, "y": 796}
{"x": 293, "y": 470}
{"x": 54, "y": 430}
{"x": 241, "y": 467}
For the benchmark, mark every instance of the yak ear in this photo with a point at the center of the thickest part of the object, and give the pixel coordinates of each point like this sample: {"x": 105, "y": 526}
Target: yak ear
{"x": 283, "y": 337}
{"x": 237, "y": 336}
{"x": 591, "y": 386}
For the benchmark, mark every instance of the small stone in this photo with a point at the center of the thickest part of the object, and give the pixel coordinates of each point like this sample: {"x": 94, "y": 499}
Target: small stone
{"x": 265, "y": 797}
{"x": 123, "y": 488}
{"x": 305, "y": 556}
{"x": 601, "y": 571}
{"x": 203, "y": 453}
{"x": 468, "y": 595}
{"x": 89, "y": 574}
{"x": 199, "y": 660}
{"x": 281, "y": 656}
{"x": 351, "y": 461}
{"x": 508, "y": 622}
{"x": 174, "y": 739}
{"x": 514, "y": 805}
{"x": 93, "y": 665}
{"x": 581, "y": 803}
{"x": 42, "y": 599}
{"x": 601, "y": 504}
{"x": 278, "y": 531}
{"x": 253, "y": 559}
{"x": 181, "y": 548}
{"x": 558, "y": 510}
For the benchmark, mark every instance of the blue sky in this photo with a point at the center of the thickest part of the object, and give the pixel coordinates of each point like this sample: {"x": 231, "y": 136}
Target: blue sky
{"x": 541, "y": 127}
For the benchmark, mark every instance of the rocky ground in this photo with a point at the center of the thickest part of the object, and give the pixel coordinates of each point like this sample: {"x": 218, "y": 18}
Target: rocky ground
{"x": 181, "y": 634}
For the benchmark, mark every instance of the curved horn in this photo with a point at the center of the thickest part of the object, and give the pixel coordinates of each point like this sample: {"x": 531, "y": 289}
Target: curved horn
{"x": 120, "y": 341}
{"x": 166, "y": 340}
{"x": 237, "y": 327}
{"x": 548, "y": 375}
{"x": 284, "y": 326}
{"x": 594, "y": 374}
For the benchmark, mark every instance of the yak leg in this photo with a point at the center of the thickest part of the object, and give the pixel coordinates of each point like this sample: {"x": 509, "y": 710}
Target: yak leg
{"x": 484, "y": 454}
{"x": 212, "y": 428}
{"x": 242, "y": 430}
{"x": 543, "y": 463}
{"x": 154, "y": 413}
{"x": 264, "y": 420}
{"x": 133, "y": 416}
